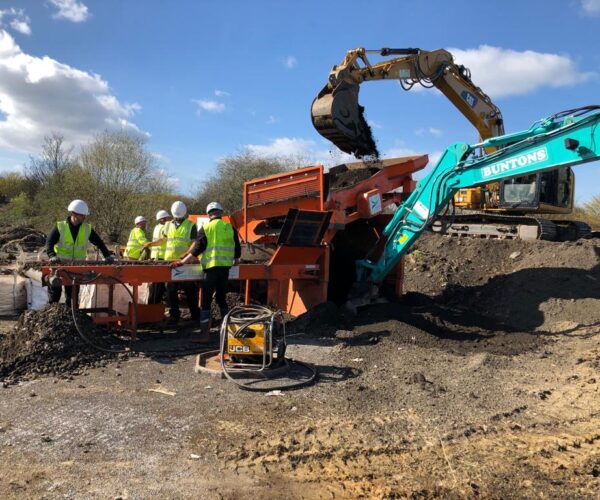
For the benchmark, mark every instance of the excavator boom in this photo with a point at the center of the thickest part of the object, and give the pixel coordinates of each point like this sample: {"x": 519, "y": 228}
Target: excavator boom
{"x": 565, "y": 139}
{"x": 337, "y": 115}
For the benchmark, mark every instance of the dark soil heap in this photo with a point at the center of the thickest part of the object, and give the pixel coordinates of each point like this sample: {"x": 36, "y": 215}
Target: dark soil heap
{"x": 47, "y": 342}
{"x": 523, "y": 285}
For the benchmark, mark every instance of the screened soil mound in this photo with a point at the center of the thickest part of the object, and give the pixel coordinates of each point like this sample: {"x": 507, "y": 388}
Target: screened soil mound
{"x": 13, "y": 239}
{"x": 47, "y": 343}
{"x": 516, "y": 285}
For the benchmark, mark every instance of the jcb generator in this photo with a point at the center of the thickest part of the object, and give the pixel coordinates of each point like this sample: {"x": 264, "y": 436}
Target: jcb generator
{"x": 252, "y": 337}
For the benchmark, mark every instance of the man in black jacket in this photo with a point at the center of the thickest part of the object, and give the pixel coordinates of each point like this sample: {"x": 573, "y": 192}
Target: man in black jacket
{"x": 68, "y": 241}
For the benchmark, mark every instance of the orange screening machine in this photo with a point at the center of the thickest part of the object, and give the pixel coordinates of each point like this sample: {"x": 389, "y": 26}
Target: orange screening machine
{"x": 301, "y": 232}
{"x": 323, "y": 221}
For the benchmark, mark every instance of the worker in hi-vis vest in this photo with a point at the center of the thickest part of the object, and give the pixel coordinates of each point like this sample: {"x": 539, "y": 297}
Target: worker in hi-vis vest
{"x": 219, "y": 244}
{"x": 179, "y": 234}
{"x": 157, "y": 290}
{"x": 68, "y": 242}
{"x": 137, "y": 239}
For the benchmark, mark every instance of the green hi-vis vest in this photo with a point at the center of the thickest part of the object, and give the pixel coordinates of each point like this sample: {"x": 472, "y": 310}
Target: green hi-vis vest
{"x": 158, "y": 252}
{"x": 179, "y": 239}
{"x": 68, "y": 249}
{"x": 135, "y": 243}
{"x": 220, "y": 248}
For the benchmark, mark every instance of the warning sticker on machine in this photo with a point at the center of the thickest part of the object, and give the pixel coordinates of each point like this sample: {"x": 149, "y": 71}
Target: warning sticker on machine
{"x": 191, "y": 272}
{"x": 421, "y": 210}
{"x": 195, "y": 272}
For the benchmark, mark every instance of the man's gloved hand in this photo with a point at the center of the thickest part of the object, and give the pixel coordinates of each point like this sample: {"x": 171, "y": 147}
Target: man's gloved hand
{"x": 177, "y": 263}
{"x": 55, "y": 260}
{"x": 109, "y": 259}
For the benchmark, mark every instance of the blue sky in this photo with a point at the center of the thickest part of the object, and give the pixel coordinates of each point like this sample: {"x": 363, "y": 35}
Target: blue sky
{"x": 203, "y": 79}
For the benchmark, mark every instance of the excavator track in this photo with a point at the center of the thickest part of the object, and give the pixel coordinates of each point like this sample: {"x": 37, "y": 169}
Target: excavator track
{"x": 571, "y": 230}
{"x": 338, "y": 117}
{"x": 485, "y": 225}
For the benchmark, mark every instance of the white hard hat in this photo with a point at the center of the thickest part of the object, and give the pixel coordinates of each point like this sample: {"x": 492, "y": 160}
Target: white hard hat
{"x": 213, "y": 205}
{"x": 161, "y": 214}
{"x": 178, "y": 209}
{"x": 139, "y": 218}
{"x": 79, "y": 207}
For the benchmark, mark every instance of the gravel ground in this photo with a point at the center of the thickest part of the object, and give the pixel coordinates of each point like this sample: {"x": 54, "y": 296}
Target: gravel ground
{"x": 484, "y": 381}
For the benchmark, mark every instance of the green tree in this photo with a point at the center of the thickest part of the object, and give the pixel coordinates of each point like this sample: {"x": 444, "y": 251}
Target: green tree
{"x": 53, "y": 161}
{"x": 120, "y": 179}
{"x": 592, "y": 211}
{"x": 12, "y": 184}
{"x": 227, "y": 184}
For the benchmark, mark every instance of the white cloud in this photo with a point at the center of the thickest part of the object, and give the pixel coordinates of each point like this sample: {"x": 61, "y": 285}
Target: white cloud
{"x": 20, "y": 22}
{"x": 283, "y": 146}
{"x": 210, "y": 106}
{"x": 304, "y": 151}
{"x": 39, "y": 95}
{"x": 71, "y": 10}
{"x": 307, "y": 152}
{"x": 272, "y": 119}
{"x": 503, "y": 72}
{"x": 591, "y": 7}
{"x": 290, "y": 62}
{"x": 21, "y": 26}
{"x": 221, "y": 93}
{"x": 374, "y": 124}
{"x": 429, "y": 130}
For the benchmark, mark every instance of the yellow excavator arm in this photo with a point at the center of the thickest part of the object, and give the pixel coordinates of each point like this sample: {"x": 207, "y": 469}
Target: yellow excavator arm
{"x": 337, "y": 115}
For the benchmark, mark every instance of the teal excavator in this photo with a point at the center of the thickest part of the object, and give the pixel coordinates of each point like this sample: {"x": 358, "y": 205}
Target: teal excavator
{"x": 562, "y": 140}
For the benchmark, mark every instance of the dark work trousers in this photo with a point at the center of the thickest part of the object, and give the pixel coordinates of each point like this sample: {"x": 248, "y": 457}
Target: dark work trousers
{"x": 54, "y": 293}
{"x": 215, "y": 283}
{"x": 191, "y": 293}
{"x": 156, "y": 293}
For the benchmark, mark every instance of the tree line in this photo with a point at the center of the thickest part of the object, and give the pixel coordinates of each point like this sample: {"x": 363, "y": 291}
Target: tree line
{"x": 119, "y": 179}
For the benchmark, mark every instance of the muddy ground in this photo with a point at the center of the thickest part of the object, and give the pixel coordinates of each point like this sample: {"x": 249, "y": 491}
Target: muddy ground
{"x": 484, "y": 381}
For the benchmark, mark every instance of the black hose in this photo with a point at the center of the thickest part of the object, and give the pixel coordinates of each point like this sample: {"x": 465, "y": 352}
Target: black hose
{"x": 82, "y": 279}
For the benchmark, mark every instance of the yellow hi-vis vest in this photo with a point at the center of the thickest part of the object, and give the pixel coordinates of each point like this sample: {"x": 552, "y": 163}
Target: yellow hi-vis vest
{"x": 66, "y": 248}
{"x": 179, "y": 239}
{"x": 220, "y": 247}
{"x": 135, "y": 243}
{"x": 158, "y": 252}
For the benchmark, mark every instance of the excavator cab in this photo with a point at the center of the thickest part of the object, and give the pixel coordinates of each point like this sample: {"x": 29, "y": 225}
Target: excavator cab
{"x": 548, "y": 192}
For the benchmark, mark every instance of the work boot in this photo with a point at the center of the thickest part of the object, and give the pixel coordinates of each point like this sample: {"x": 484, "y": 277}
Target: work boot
{"x": 204, "y": 336}
{"x": 172, "y": 321}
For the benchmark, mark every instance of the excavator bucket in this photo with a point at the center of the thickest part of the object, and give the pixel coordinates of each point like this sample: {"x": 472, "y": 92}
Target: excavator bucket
{"x": 338, "y": 117}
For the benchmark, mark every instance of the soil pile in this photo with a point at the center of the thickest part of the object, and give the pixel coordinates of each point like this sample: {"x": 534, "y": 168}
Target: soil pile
{"x": 47, "y": 342}
{"x": 321, "y": 321}
{"x": 13, "y": 239}
{"x": 521, "y": 285}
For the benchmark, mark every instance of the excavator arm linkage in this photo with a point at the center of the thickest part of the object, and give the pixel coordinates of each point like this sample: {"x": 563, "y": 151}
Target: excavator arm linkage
{"x": 337, "y": 115}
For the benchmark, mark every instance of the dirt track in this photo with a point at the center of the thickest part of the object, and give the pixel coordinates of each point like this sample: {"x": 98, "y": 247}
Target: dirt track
{"x": 484, "y": 381}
